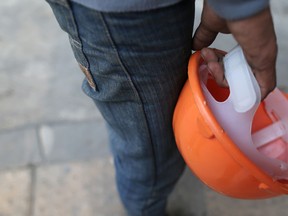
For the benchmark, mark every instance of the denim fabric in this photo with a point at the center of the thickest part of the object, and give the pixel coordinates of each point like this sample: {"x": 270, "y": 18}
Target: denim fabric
{"x": 125, "y": 6}
{"x": 136, "y": 65}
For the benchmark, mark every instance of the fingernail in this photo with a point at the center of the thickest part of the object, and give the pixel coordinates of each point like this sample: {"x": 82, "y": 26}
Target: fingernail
{"x": 210, "y": 71}
{"x": 210, "y": 68}
{"x": 203, "y": 52}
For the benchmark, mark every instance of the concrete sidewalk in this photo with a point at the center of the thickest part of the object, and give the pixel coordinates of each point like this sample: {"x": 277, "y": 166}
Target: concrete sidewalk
{"x": 54, "y": 158}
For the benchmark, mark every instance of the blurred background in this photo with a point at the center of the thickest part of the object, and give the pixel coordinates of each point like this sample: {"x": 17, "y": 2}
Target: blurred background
{"x": 54, "y": 158}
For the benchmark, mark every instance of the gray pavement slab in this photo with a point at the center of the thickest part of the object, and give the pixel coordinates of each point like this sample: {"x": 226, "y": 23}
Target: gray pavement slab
{"x": 39, "y": 78}
{"x": 88, "y": 189}
{"x": 188, "y": 197}
{"x": 15, "y": 192}
{"x": 19, "y": 148}
{"x": 71, "y": 142}
{"x": 77, "y": 189}
{"x": 219, "y": 205}
{"x": 280, "y": 16}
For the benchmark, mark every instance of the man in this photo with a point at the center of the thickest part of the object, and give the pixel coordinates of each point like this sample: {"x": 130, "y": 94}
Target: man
{"x": 134, "y": 54}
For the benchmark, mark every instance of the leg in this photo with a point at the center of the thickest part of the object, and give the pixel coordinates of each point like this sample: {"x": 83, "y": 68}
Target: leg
{"x": 136, "y": 64}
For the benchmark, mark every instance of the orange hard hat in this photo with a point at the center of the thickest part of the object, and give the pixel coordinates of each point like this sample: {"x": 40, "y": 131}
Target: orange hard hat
{"x": 211, "y": 153}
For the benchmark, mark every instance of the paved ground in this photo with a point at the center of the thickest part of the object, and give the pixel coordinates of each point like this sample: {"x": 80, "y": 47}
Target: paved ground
{"x": 54, "y": 158}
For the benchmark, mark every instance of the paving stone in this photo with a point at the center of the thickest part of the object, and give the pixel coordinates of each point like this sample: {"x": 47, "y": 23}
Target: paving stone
{"x": 221, "y": 205}
{"x": 15, "y": 192}
{"x": 88, "y": 188}
{"x": 188, "y": 197}
{"x": 76, "y": 141}
{"x": 280, "y": 17}
{"x": 77, "y": 189}
{"x": 40, "y": 80}
{"x": 18, "y": 148}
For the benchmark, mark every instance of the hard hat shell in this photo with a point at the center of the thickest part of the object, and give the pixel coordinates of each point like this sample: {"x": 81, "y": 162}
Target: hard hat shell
{"x": 210, "y": 153}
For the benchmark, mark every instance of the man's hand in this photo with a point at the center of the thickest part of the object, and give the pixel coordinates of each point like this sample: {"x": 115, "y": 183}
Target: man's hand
{"x": 254, "y": 34}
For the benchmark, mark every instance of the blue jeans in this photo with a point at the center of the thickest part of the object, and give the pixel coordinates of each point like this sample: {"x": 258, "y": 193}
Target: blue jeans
{"x": 135, "y": 65}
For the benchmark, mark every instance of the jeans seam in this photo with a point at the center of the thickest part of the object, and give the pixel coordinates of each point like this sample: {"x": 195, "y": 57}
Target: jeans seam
{"x": 79, "y": 45}
{"x": 64, "y": 3}
{"x": 137, "y": 96}
{"x": 75, "y": 43}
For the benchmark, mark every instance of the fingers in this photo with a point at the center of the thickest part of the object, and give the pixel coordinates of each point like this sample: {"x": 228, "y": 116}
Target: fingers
{"x": 213, "y": 59}
{"x": 203, "y": 37}
{"x": 265, "y": 76}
